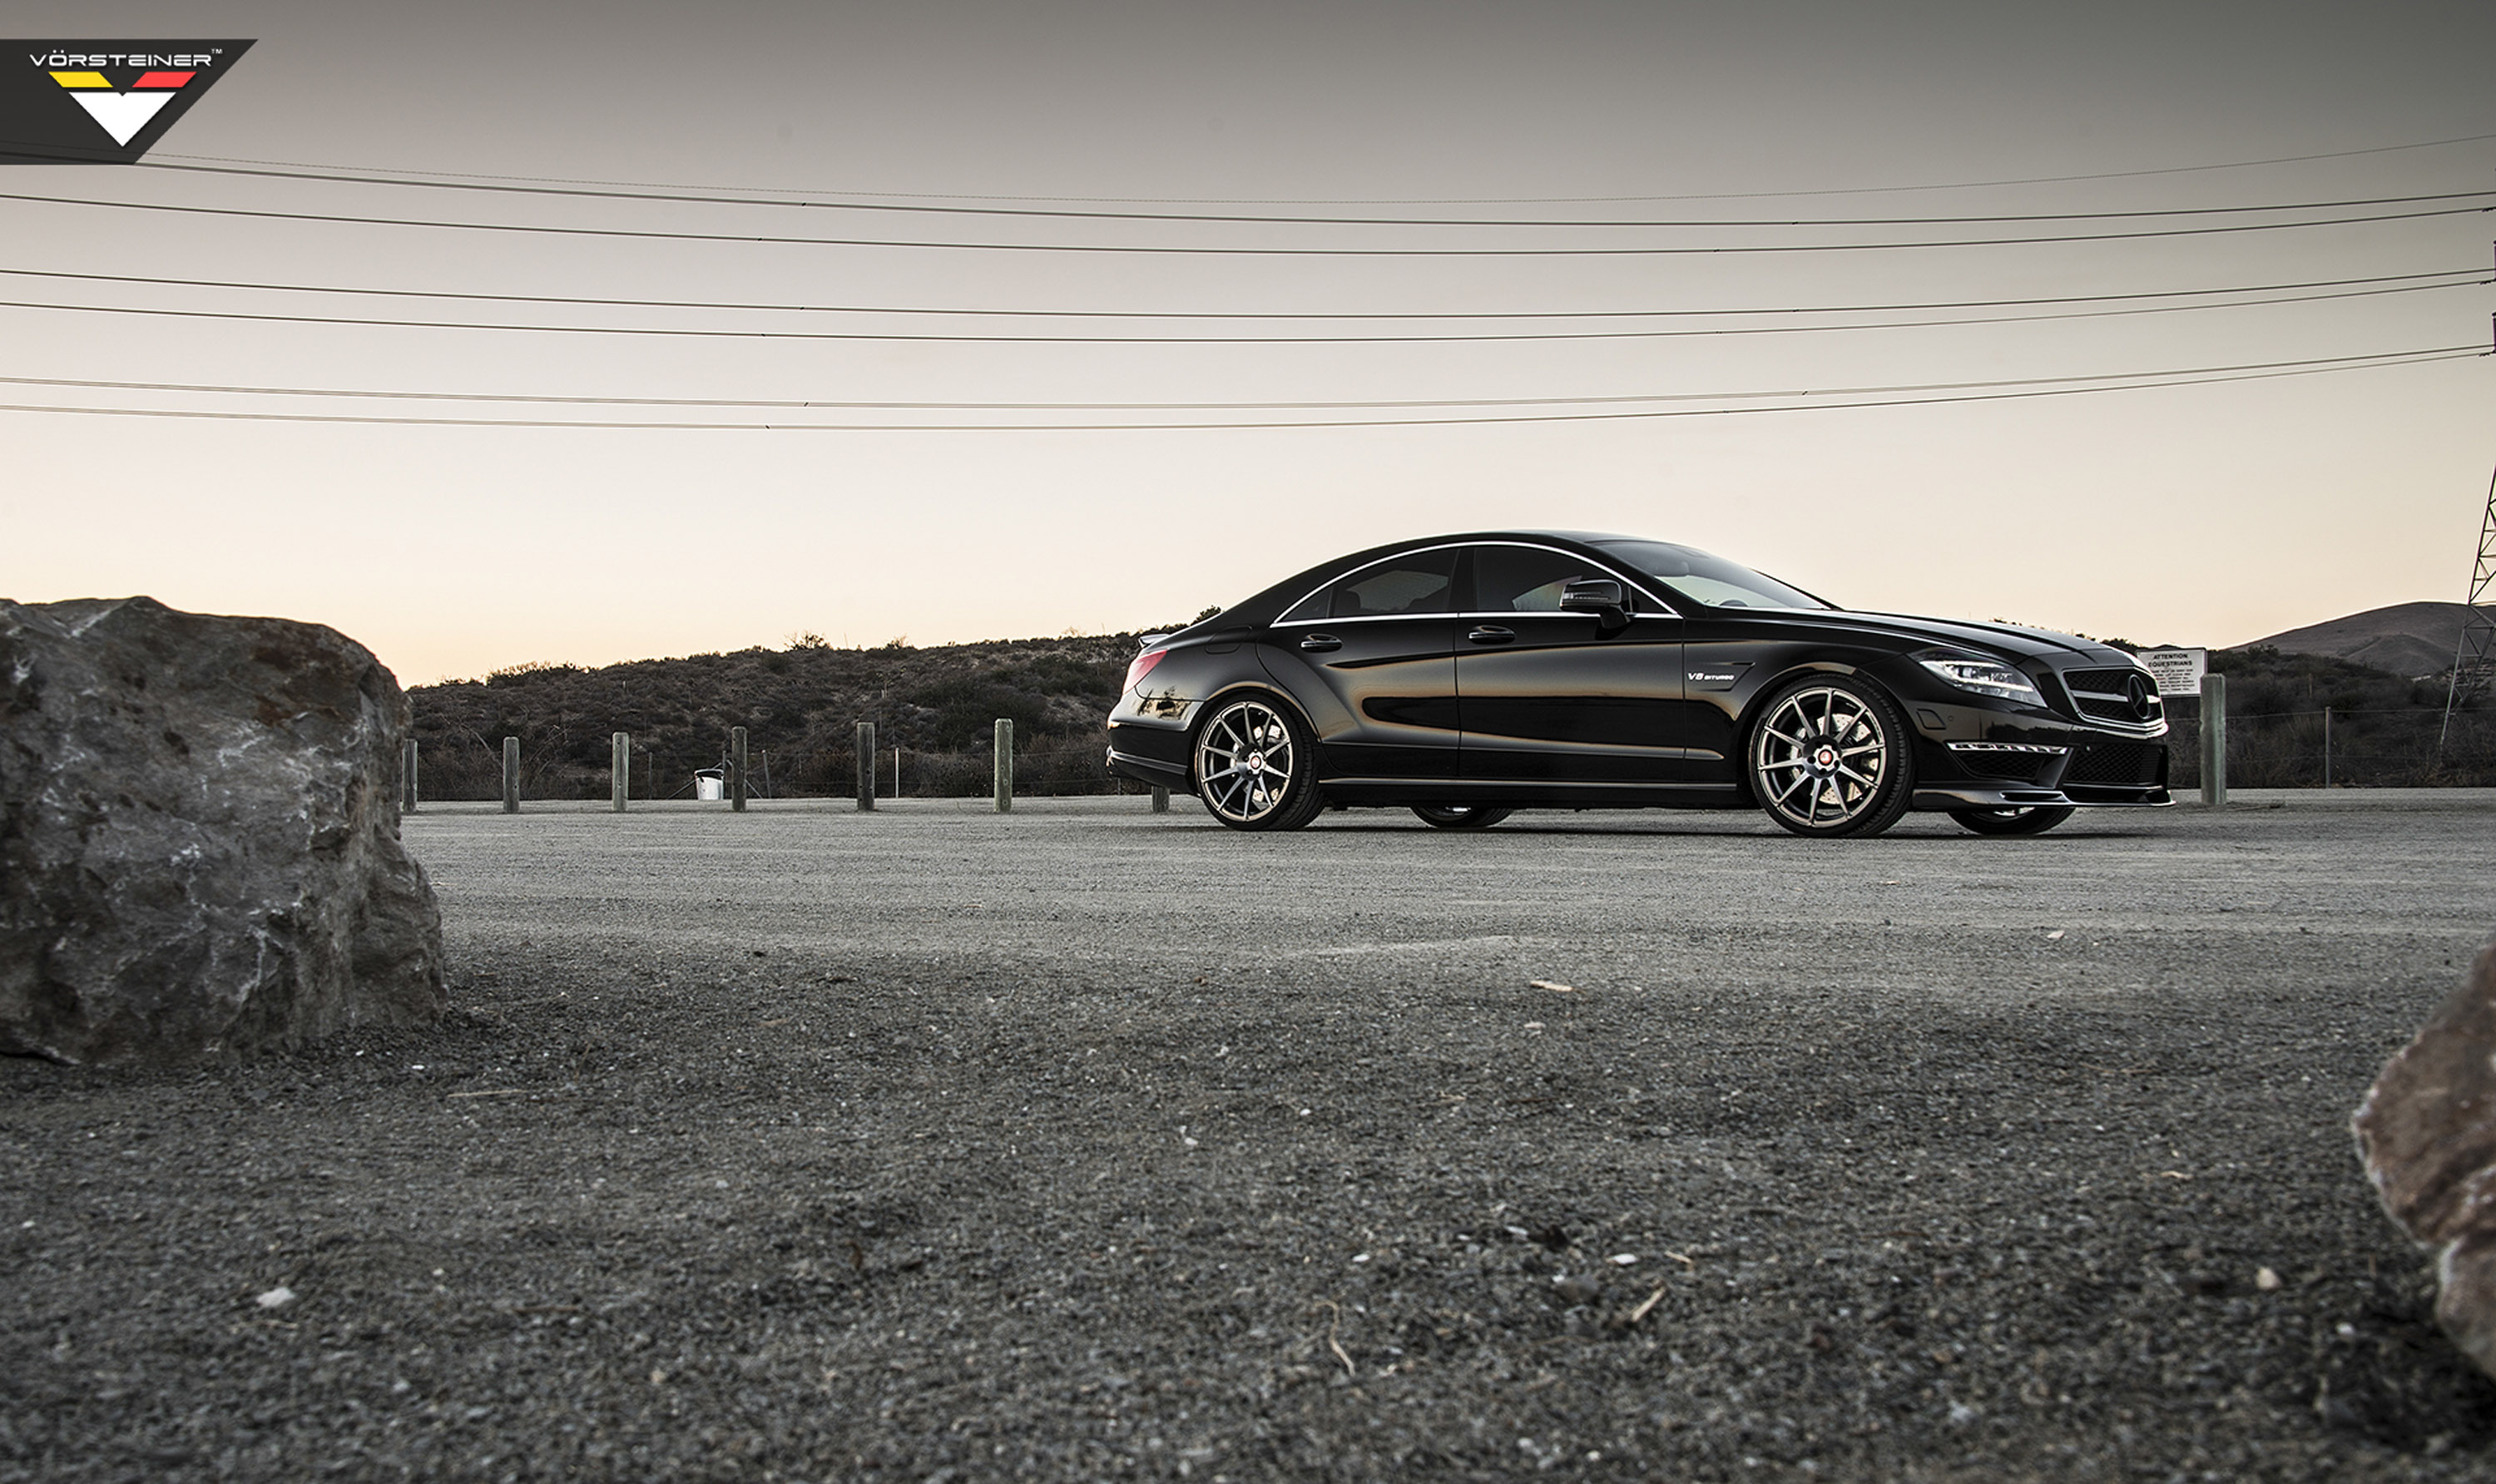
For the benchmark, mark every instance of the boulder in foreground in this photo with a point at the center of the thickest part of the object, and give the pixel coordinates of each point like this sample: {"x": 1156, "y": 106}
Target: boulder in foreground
{"x": 198, "y": 836}
{"x": 2427, "y": 1133}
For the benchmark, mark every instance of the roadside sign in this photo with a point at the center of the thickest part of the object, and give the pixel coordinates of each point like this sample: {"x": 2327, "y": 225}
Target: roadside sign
{"x": 2179, "y": 671}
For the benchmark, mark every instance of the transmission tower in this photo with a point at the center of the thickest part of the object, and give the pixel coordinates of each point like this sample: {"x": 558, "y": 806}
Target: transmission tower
{"x": 2474, "y": 658}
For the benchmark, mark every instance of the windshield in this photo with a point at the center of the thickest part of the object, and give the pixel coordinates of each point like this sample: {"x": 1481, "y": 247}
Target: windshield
{"x": 1708, "y": 580}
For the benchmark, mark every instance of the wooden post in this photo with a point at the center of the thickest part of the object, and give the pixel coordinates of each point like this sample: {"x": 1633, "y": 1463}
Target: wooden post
{"x": 1161, "y": 799}
{"x": 619, "y": 767}
{"x": 2327, "y": 747}
{"x": 407, "y": 776}
{"x": 511, "y": 775}
{"x": 736, "y": 769}
{"x": 2214, "y": 740}
{"x": 866, "y": 765}
{"x": 1005, "y": 765}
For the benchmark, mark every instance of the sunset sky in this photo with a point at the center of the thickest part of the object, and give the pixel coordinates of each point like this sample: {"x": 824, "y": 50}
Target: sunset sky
{"x": 1431, "y": 136}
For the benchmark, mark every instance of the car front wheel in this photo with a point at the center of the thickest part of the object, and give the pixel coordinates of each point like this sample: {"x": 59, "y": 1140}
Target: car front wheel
{"x": 1256, "y": 767}
{"x": 1459, "y": 816}
{"x": 1828, "y": 757}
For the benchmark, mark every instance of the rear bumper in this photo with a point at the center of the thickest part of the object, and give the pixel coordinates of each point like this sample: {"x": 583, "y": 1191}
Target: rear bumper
{"x": 1148, "y": 770}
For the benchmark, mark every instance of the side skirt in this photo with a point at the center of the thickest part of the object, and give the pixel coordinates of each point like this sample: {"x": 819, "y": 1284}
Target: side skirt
{"x": 1538, "y": 794}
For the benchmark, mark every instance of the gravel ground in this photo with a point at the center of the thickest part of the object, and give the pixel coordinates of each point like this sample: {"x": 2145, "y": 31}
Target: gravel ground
{"x": 1089, "y": 1143}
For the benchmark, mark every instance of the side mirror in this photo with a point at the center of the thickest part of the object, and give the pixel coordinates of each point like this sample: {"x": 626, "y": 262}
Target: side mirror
{"x": 1600, "y": 595}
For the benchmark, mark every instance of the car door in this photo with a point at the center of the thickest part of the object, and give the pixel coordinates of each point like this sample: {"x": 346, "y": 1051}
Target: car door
{"x": 1371, "y": 659}
{"x": 1547, "y": 694}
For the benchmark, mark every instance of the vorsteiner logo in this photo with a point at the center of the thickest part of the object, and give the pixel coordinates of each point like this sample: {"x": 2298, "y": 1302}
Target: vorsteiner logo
{"x": 99, "y": 103}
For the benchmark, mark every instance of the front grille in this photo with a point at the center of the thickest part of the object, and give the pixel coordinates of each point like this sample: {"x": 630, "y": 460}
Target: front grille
{"x": 2111, "y": 682}
{"x": 2120, "y": 764}
{"x": 2100, "y": 694}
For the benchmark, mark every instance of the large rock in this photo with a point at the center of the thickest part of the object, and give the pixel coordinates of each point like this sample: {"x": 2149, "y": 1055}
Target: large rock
{"x": 2427, "y": 1133}
{"x": 198, "y": 836}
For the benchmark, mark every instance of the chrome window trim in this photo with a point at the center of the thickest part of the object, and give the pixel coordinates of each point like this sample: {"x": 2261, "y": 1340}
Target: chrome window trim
{"x": 1302, "y": 623}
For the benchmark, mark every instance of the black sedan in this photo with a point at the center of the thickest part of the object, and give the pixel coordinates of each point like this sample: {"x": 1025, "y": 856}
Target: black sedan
{"x": 1468, "y": 676}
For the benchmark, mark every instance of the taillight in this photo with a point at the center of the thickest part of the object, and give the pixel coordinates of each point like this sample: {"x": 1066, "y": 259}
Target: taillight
{"x": 1141, "y": 666}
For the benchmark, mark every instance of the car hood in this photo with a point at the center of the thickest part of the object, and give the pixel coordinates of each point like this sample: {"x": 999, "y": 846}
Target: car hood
{"x": 2008, "y": 638}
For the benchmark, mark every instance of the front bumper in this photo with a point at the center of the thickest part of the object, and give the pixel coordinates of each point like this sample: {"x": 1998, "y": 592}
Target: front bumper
{"x": 2031, "y": 766}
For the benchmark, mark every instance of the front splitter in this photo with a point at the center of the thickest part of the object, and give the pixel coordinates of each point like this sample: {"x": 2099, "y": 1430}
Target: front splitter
{"x": 2031, "y": 798}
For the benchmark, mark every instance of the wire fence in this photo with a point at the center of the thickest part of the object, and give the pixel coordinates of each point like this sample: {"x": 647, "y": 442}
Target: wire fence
{"x": 2406, "y": 746}
{"x": 2393, "y": 747}
{"x": 471, "y": 769}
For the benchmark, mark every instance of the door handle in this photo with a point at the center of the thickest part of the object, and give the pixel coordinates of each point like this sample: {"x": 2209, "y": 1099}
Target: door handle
{"x": 1491, "y": 634}
{"x": 1320, "y": 641}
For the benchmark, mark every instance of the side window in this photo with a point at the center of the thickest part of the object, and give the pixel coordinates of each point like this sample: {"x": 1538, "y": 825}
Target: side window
{"x": 1412, "y": 584}
{"x": 1525, "y": 579}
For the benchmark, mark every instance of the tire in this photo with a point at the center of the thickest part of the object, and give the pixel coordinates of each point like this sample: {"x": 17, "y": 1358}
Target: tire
{"x": 1828, "y": 757}
{"x": 1241, "y": 750}
{"x": 1461, "y": 815}
{"x": 2010, "y": 822}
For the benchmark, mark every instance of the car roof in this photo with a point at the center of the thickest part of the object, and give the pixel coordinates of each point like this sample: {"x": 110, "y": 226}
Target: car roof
{"x": 1266, "y": 605}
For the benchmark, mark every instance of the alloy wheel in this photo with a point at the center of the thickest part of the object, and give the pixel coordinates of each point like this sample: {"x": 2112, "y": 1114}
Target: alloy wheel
{"x": 1819, "y": 758}
{"x": 1245, "y": 761}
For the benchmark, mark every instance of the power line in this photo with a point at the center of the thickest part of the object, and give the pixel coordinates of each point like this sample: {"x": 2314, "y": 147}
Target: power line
{"x": 653, "y": 235}
{"x": 924, "y": 337}
{"x": 1494, "y": 201}
{"x": 1887, "y": 397}
{"x": 1067, "y": 213}
{"x": 1267, "y": 315}
{"x": 1182, "y": 427}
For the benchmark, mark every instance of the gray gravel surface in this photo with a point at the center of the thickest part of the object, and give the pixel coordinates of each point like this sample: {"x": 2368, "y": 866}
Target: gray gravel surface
{"x": 1088, "y": 1143}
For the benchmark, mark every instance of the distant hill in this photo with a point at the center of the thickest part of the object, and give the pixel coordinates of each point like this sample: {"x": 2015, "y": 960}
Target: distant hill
{"x": 2406, "y": 638}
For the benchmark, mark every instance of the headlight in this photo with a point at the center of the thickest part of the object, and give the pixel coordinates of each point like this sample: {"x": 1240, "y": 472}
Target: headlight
{"x": 1985, "y": 677}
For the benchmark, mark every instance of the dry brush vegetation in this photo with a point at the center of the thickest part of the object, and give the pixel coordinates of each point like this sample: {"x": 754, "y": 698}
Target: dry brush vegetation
{"x": 799, "y": 706}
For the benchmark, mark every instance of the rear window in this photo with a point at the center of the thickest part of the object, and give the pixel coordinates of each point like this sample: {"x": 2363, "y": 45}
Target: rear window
{"x": 1417, "y": 583}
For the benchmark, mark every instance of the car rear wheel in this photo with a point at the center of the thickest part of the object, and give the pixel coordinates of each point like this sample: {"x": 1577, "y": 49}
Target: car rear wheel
{"x": 1828, "y": 757}
{"x": 1256, "y": 767}
{"x": 1460, "y": 816}
{"x": 2010, "y": 822}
